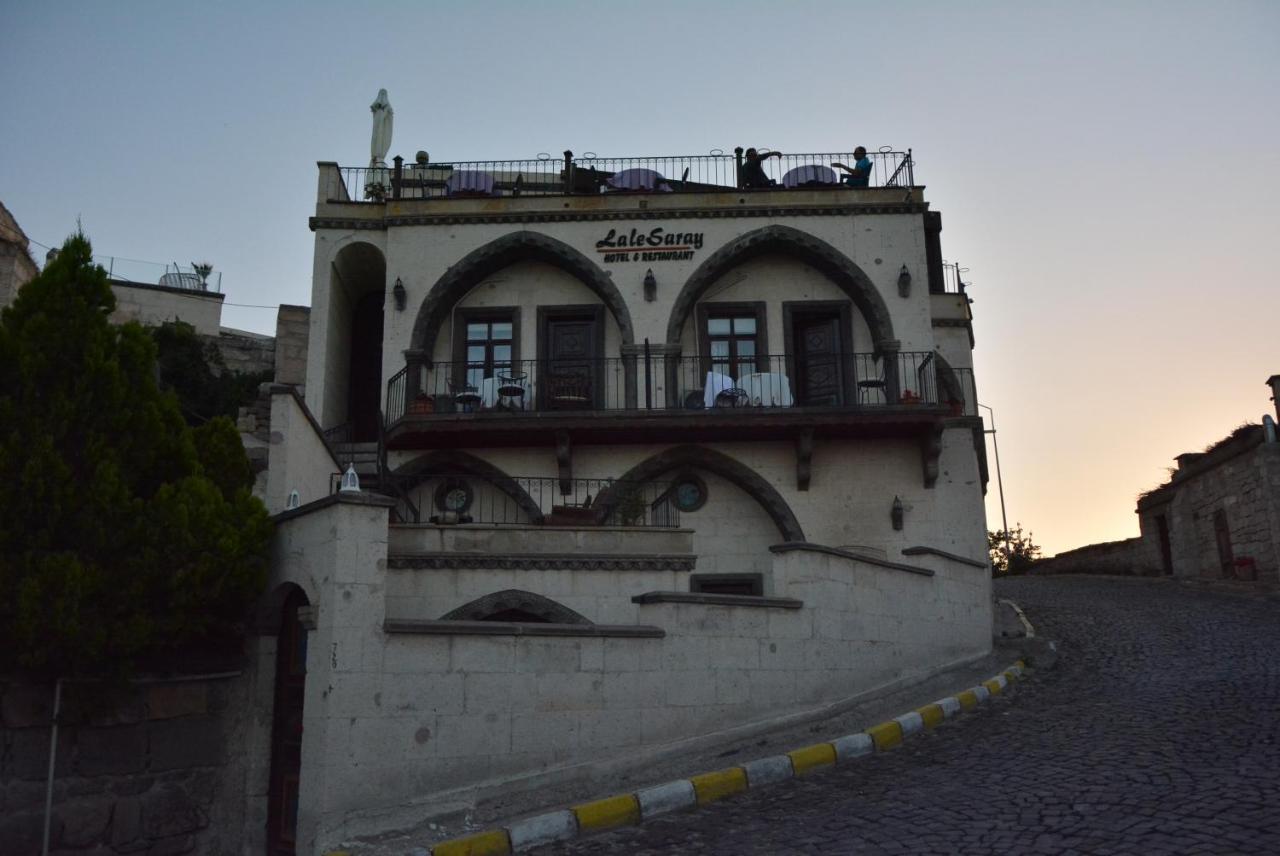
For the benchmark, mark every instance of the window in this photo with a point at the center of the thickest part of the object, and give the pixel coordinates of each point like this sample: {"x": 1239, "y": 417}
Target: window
{"x": 454, "y": 495}
{"x": 742, "y": 584}
{"x": 489, "y": 349}
{"x": 689, "y": 493}
{"x": 733, "y": 338}
{"x": 486, "y": 344}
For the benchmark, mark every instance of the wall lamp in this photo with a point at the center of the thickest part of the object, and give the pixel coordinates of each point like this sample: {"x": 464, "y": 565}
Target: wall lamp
{"x": 399, "y": 294}
{"x": 904, "y": 282}
{"x": 895, "y": 514}
{"x": 650, "y": 286}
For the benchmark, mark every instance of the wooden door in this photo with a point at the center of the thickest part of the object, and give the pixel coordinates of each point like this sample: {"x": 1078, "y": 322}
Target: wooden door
{"x": 571, "y": 370}
{"x": 819, "y": 379}
{"x": 1226, "y": 560}
{"x": 286, "y": 730}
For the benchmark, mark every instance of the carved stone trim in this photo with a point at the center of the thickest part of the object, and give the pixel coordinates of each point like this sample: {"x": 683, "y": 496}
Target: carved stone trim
{"x": 835, "y": 265}
{"x": 482, "y": 608}
{"x": 804, "y": 458}
{"x": 930, "y": 452}
{"x": 518, "y": 217}
{"x": 705, "y": 458}
{"x": 519, "y": 628}
{"x": 845, "y": 554}
{"x": 542, "y": 562}
{"x": 931, "y": 551}
{"x": 564, "y": 462}
{"x": 718, "y": 599}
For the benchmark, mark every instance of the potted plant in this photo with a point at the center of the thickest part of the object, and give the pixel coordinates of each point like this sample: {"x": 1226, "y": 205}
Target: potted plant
{"x": 909, "y": 397}
{"x": 422, "y": 404}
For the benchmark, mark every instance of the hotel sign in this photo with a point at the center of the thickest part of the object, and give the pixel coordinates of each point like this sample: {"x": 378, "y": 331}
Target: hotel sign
{"x": 655, "y": 245}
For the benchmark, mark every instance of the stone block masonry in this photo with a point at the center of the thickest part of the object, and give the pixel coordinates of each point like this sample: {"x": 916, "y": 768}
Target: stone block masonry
{"x": 150, "y": 770}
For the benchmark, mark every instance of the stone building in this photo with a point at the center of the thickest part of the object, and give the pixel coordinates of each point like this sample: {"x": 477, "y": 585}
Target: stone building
{"x": 645, "y": 455}
{"x": 17, "y": 268}
{"x": 1219, "y": 513}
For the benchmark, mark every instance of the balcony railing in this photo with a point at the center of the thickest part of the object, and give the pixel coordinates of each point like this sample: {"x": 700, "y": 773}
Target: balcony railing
{"x": 679, "y": 384}
{"x": 591, "y": 175}
{"x": 459, "y": 498}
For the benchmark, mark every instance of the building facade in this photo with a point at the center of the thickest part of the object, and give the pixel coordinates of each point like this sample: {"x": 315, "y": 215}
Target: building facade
{"x": 645, "y": 456}
{"x": 1218, "y": 516}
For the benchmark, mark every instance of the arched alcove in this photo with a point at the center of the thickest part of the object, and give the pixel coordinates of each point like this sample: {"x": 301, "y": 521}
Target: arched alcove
{"x": 353, "y": 356}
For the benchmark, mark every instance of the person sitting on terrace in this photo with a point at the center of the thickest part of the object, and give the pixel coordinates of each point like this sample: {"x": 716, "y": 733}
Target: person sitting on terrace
{"x": 753, "y": 174}
{"x": 860, "y": 174}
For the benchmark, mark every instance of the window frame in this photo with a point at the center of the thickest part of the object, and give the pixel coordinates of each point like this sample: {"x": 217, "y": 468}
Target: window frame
{"x": 483, "y": 315}
{"x": 757, "y": 309}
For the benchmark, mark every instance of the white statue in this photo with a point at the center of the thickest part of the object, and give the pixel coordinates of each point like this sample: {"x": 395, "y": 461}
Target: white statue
{"x": 382, "y": 117}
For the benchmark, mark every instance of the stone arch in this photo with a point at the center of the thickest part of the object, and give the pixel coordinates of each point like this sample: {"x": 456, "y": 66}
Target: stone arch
{"x": 502, "y": 605}
{"x": 266, "y": 612}
{"x": 458, "y": 463}
{"x": 351, "y": 343}
{"x": 811, "y": 250}
{"x": 702, "y": 458}
{"x": 503, "y": 252}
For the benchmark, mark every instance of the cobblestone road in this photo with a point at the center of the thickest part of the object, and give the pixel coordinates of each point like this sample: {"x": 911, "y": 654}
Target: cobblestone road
{"x": 1157, "y": 732}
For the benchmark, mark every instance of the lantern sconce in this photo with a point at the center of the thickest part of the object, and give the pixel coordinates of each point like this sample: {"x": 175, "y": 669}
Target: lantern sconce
{"x": 350, "y": 481}
{"x": 399, "y": 294}
{"x": 293, "y": 501}
{"x": 904, "y": 282}
{"x": 650, "y": 286}
{"x": 895, "y": 514}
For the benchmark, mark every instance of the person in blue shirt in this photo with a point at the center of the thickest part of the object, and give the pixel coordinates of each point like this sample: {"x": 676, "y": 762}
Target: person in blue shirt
{"x": 860, "y": 174}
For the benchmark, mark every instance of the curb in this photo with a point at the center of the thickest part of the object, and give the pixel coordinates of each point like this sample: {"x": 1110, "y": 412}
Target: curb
{"x": 634, "y": 808}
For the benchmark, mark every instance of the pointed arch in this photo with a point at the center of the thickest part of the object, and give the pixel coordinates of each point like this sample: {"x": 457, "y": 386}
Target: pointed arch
{"x": 525, "y": 605}
{"x": 484, "y": 261}
{"x": 784, "y": 240}
{"x": 459, "y": 463}
{"x": 703, "y": 458}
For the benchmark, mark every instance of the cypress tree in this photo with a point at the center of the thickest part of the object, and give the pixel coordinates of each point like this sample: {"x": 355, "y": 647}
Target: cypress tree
{"x": 124, "y": 533}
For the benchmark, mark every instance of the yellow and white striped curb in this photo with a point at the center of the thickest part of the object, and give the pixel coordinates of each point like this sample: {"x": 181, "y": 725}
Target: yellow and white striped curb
{"x": 633, "y": 808}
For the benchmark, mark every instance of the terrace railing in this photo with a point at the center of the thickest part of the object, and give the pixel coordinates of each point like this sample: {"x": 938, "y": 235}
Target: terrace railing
{"x": 686, "y": 384}
{"x": 590, "y": 174}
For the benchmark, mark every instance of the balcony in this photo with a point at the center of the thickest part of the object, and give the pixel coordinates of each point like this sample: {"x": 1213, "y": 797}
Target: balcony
{"x": 645, "y": 398}
{"x": 591, "y": 175}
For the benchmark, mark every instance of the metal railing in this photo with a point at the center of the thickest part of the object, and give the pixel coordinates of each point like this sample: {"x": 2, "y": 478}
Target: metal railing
{"x": 953, "y": 278}
{"x": 459, "y": 498}
{"x": 590, "y": 174}
{"x": 172, "y": 275}
{"x": 687, "y": 384}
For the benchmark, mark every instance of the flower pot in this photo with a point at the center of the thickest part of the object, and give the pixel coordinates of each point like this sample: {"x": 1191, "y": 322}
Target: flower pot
{"x": 422, "y": 404}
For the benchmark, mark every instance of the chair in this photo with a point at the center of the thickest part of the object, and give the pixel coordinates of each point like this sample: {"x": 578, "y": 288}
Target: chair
{"x": 733, "y": 397}
{"x": 465, "y": 396}
{"x": 568, "y": 391}
{"x": 767, "y": 389}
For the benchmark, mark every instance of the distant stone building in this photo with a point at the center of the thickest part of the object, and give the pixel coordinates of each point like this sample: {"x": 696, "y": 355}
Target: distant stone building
{"x": 1217, "y": 517}
{"x": 1219, "y": 513}
{"x": 17, "y": 268}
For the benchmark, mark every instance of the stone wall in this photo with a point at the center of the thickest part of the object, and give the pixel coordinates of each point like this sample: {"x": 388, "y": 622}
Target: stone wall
{"x": 246, "y": 353}
{"x": 1126, "y": 558}
{"x": 292, "y": 326}
{"x": 159, "y": 771}
{"x": 17, "y": 268}
{"x": 153, "y": 305}
{"x": 1241, "y": 479}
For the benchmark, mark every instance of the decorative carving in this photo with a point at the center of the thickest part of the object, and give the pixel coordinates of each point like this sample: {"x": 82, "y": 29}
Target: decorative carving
{"x": 703, "y": 458}
{"x": 541, "y": 562}
{"x": 838, "y": 267}
{"x": 930, "y": 452}
{"x": 804, "y": 457}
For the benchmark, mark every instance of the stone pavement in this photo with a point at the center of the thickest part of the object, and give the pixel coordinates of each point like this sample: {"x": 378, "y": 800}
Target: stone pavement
{"x": 1157, "y": 732}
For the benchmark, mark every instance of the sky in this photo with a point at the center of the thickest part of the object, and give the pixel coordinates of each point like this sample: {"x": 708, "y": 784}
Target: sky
{"x": 1108, "y": 172}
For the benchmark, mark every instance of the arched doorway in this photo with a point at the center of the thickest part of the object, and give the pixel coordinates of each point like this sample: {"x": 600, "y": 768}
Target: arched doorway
{"x": 286, "y": 728}
{"x": 353, "y": 351}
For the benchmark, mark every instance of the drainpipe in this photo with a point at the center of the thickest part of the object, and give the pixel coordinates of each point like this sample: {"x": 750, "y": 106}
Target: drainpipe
{"x": 53, "y": 757}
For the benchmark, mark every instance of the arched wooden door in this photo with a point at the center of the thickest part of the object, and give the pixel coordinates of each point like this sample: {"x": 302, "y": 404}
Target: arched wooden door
{"x": 286, "y": 729}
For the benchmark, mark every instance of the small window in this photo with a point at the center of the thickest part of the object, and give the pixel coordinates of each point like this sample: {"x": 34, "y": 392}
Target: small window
{"x": 489, "y": 349}
{"x": 689, "y": 493}
{"x": 731, "y": 341}
{"x": 454, "y": 495}
{"x": 751, "y": 585}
